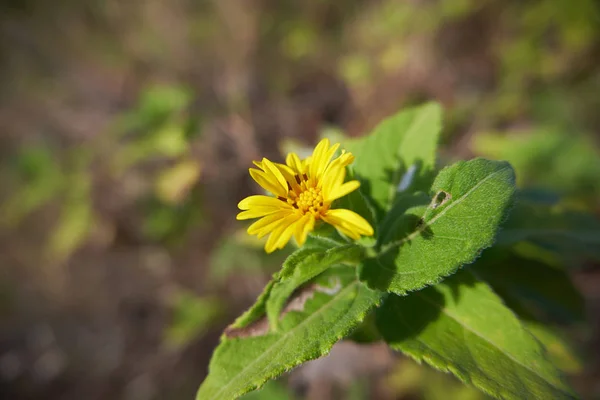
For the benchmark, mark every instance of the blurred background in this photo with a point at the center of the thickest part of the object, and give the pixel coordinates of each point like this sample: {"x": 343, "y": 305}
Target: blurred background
{"x": 126, "y": 132}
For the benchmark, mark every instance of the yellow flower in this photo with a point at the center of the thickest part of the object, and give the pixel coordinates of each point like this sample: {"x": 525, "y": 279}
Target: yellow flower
{"x": 303, "y": 192}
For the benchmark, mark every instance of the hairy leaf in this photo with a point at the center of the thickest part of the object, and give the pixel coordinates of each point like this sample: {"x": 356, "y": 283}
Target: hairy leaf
{"x": 311, "y": 266}
{"x": 314, "y": 320}
{"x": 461, "y": 326}
{"x": 422, "y": 244}
{"x": 324, "y": 237}
{"x": 406, "y": 139}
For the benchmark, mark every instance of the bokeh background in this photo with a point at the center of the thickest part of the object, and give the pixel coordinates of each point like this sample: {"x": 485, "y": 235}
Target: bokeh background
{"x": 126, "y": 131}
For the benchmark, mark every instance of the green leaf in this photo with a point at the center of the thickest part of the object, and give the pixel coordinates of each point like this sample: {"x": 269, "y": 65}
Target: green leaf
{"x": 314, "y": 320}
{"x": 548, "y": 158}
{"x": 313, "y": 264}
{"x": 259, "y": 308}
{"x": 542, "y": 297}
{"x": 297, "y": 258}
{"x": 570, "y": 234}
{"x": 527, "y": 286}
{"x": 461, "y": 326}
{"x": 366, "y": 332}
{"x": 560, "y": 352}
{"x": 272, "y": 390}
{"x": 399, "y": 142}
{"x": 425, "y": 243}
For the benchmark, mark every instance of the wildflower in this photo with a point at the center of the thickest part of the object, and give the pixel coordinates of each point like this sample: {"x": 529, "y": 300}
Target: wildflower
{"x": 303, "y": 193}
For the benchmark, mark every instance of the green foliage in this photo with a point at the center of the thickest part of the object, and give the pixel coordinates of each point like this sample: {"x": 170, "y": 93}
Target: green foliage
{"x": 548, "y": 159}
{"x": 39, "y": 179}
{"x": 47, "y": 176}
{"x": 406, "y": 140}
{"x": 317, "y": 318}
{"x": 272, "y": 390}
{"x": 531, "y": 288}
{"x": 566, "y": 233}
{"x": 309, "y": 267}
{"x": 461, "y": 326}
{"x": 410, "y": 379}
{"x": 421, "y": 244}
{"x": 192, "y": 317}
{"x": 543, "y": 297}
{"x": 497, "y": 325}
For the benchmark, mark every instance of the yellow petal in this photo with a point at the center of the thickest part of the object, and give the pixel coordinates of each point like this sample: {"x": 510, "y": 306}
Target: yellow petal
{"x": 346, "y": 158}
{"x": 324, "y": 162}
{"x": 300, "y": 228}
{"x": 276, "y": 239}
{"x": 271, "y": 169}
{"x": 287, "y": 231}
{"x": 293, "y": 161}
{"x": 350, "y": 234}
{"x": 349, "y": 221}
{"x": 288, "y": 173}
{"x": 268, "y": 182}
{"x": 267, "y": 224}
{"x": 306, "y": 164}
{"x": 259, "y": 200}
{"x": 333, "y": 177}
{"x": 256, "y": 212}
{"x": 303, "y": 228}
{"x": 317, "y": 156}
{"x": 340, "y": 191}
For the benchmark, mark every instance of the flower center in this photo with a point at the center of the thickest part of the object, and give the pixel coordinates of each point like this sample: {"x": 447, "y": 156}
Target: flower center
{"x": 310, "y": 200}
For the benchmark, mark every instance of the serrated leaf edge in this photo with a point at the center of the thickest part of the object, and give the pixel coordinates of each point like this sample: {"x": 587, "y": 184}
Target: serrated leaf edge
{"x": 438, "y": 362}
{"x": 322, "y": 352}
{"x": 418, "y": 231}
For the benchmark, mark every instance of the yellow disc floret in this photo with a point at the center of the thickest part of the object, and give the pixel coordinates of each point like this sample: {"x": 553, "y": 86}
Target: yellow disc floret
{"x": 311, "y": 200}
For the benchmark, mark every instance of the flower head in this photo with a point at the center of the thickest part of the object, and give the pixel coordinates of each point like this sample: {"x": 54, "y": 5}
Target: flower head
{"x": 303, "y": 193}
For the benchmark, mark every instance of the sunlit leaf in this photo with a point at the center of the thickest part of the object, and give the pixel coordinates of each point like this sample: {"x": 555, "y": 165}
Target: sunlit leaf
{"x": 399, "y": 142}
{"x": 425, "y": 243}
{"x": 460, "y": 326}
{"x": 316, "y": 318}
{"x": 309, "y": 267}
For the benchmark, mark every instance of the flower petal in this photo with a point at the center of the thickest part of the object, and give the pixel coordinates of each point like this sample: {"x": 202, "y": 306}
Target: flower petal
{"x": 268, "y": 182}
{"x": 340, "y": 191}
{"x": 267, "y": 224}
{"x": 333, "y": 178}
{"x": 349, "y": 221}
{"x": 318, "y": 156}
{"x": 286, "y": 234}
{"x": 293, "y": 161}
{"x": 271, "y": 169}
{"x": 256, "y": 212}
{"x": 279, "y": 235}
{"x": 303, "y": 228}
{"x": 288, "y": 173}
{"x": 259, "y": 200}
{"x": 327, "y": 158}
